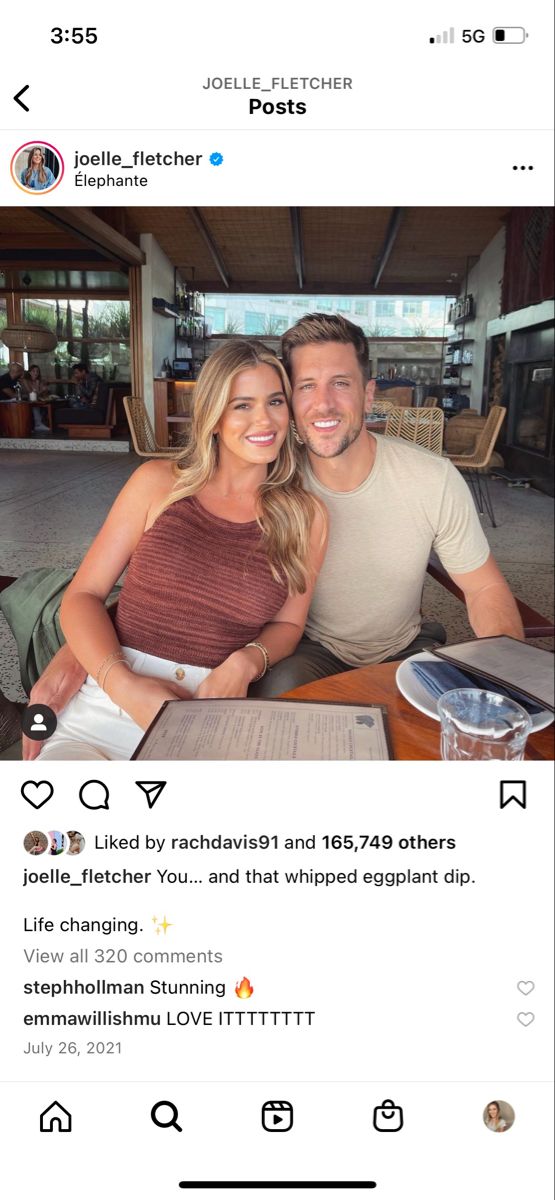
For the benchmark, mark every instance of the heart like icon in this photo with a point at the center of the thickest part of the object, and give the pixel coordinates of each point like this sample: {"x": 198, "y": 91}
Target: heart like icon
{"x": 525, "y": 986}
{"x": 525, "y": 1018}
{"x": 36, "y": 792}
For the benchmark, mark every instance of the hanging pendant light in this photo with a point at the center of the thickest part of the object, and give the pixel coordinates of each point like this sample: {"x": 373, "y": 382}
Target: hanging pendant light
{"x": 28, "y": 337}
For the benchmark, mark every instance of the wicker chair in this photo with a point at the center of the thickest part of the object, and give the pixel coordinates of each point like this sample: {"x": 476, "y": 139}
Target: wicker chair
{"x": 430, "y": 402}
{"x": 423, "y": 426}
{"x": 381, "y": 408}
{"x": 142, "y": 433}
{"x": 476, "y": 464}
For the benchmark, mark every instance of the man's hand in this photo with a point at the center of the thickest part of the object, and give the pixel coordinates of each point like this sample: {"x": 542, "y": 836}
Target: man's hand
{"x": 56, "y": 687}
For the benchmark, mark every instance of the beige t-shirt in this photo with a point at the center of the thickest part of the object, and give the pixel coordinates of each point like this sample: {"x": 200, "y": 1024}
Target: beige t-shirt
{"x": 366, "y": 605}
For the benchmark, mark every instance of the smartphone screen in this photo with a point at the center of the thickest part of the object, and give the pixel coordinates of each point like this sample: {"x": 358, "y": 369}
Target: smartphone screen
{"x": 276, "y": 603}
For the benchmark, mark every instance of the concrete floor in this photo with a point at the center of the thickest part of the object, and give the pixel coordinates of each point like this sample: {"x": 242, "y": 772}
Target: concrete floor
{"x": 52, "y": 505}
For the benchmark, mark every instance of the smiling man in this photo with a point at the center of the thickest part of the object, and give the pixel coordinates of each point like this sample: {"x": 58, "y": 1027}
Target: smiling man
{"x": 390, "y": 504}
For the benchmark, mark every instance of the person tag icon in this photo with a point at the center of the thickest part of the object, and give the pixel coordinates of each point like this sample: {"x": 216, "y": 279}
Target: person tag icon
{"x": 388, "y": 1117}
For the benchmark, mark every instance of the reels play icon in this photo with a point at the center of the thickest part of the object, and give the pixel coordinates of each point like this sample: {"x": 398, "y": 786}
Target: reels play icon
{"x": 277, "y": 1116}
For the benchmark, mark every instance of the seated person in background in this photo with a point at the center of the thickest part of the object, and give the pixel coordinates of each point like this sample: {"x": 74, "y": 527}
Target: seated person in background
{"x": 34, "y": 389}
{"x": 88, "y": 406}
{"x": 11, "y": 382}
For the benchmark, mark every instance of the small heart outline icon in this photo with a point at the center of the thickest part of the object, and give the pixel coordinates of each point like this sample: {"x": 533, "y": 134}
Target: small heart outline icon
{"x": 525, "y": 1018}
{"x": 34, "y": 783}
{"x": 526, "y": 986}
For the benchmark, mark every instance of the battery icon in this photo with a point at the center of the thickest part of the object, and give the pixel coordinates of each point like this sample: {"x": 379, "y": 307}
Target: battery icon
{"x": 509, "y": 34}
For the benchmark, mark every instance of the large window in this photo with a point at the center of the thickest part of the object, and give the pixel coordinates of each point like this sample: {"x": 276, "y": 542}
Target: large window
{"x": 379, "y": 316}
{"x": 95, "y": 332}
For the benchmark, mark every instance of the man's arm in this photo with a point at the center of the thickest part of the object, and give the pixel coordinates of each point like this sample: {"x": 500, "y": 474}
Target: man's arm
{"x": 491, "y": 606}
{"x": 56, "y": 687}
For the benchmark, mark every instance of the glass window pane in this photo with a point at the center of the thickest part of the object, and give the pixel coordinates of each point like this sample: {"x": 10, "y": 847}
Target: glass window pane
{"x": 384, "y": 316}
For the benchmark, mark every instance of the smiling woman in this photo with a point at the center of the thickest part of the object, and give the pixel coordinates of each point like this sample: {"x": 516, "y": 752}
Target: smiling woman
{"x": 222, "y": 549}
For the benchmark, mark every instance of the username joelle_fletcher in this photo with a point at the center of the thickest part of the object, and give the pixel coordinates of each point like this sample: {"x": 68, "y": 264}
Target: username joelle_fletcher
{"x": 278, "y": 83}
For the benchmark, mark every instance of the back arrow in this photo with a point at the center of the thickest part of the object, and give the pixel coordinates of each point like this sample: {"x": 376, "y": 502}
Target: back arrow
{"x": 18, "y": 100}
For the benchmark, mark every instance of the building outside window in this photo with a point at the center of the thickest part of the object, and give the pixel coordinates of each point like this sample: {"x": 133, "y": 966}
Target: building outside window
{"x": 269, "y": 316}
{"x": 254, "y": 322}
{"x": 216, "y": 318}
{"x": 385, "y": 308}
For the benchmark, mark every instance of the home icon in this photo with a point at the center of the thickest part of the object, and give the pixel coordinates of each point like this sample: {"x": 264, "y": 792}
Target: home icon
{"x": 55, "y": 1119}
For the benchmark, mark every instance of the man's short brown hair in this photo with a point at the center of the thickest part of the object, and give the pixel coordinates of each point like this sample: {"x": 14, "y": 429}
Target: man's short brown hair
{"x": 319, "y": 327}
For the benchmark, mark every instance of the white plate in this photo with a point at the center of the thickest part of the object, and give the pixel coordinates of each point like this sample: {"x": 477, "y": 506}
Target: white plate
{"x": 415, "y": 692}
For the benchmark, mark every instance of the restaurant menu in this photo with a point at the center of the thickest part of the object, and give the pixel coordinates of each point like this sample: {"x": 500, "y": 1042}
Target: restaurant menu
{"x": 505, "y": 660}
{"x": 262, "y": 730}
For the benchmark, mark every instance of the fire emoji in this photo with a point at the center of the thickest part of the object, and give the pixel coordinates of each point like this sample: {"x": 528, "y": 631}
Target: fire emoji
{"x": 244, "y": 990}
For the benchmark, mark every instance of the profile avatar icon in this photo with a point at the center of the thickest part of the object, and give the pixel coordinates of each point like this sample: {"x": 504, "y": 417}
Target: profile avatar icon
{"x": 37, "y": 168}
{"x": 38, "y": 721}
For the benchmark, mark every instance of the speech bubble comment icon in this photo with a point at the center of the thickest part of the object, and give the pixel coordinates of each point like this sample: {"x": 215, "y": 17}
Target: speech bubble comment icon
{"x": 94, "y": 794}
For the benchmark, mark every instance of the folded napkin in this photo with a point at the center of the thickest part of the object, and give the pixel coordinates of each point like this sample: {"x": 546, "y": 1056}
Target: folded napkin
{"x": 439, "y": 677}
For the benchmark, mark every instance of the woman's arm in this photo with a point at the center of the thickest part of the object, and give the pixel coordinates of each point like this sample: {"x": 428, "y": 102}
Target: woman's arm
{"x": 280, "y": 637}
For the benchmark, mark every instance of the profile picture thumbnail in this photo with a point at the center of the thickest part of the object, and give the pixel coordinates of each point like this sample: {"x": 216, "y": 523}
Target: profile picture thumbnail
{"x": 498, "y": 1116}
{"x": 76, "y": 841}
{"x": 37, "y": 167}
{"x": 57, "y": 841}
{"x": 35, "y": 842}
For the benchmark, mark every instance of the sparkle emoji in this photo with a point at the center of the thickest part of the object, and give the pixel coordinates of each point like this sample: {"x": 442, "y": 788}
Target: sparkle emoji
{"x": 243, "y": 989}
{"x": 161, "y": 925}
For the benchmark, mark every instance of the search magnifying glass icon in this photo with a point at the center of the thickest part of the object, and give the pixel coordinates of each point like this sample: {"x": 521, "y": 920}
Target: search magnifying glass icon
{"x": 167, "y": 1119}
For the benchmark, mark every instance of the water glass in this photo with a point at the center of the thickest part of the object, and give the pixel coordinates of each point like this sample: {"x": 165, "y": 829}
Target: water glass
{"x": 477, "y": 725}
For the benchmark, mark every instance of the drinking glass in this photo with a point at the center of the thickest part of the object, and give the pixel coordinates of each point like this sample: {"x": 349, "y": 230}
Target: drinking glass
{"x": 480, "y": 725}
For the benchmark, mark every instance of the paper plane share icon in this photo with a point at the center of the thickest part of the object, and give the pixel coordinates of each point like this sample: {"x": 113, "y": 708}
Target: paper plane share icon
{"x": 151, "y": 789}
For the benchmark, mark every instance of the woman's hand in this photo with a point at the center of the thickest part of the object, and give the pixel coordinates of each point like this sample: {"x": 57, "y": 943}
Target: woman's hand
{"x": 233, "y": 676}
{"x": 142, "y": 696}
{"x": 56, "y": 687}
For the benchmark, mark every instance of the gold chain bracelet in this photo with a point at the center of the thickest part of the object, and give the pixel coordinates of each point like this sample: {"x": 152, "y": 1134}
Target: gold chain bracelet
{"x": 266, "y": 657}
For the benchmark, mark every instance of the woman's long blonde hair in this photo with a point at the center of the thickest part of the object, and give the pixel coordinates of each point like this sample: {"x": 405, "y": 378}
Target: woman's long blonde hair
{"x": 286, "y": 510}
{"x": 30, "y": 168}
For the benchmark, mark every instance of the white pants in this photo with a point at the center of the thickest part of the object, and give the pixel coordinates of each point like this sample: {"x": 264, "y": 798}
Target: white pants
{"x": 91, "y": 726}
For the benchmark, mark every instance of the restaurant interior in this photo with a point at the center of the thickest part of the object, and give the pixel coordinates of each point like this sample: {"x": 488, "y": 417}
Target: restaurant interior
{"x": 457, "y": 305}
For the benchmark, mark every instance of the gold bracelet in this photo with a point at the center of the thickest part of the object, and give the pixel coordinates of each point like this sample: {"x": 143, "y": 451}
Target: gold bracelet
{"x": 108, "y": 669}
{"x": 105, "y": 661}
{"x": 266, "y": 657}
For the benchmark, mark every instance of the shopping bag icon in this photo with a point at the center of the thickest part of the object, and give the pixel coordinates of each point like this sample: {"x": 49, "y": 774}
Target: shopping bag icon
{"x": 388, "y": 1117}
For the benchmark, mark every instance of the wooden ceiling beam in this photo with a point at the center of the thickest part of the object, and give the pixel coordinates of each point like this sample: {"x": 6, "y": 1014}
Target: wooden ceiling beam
{"x": 215, "y": 252}
{"x": 390, "y": 239}
{"x": 298, "y": 248}
{"x": 91, "y": 231}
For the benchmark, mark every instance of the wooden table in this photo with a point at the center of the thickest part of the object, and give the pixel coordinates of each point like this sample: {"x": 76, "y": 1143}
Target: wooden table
{"x": 413, "y": 735}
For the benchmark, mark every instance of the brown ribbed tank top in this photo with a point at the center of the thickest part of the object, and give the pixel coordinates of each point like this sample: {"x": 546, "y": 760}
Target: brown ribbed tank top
{"x": 197, "y": 587}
